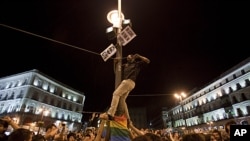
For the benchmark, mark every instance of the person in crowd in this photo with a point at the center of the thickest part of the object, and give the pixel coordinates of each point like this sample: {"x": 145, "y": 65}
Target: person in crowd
{"x": 131, "y": 70}
{"x": 21, "y": 134}
{"x": 174, "y": 136}
{"x": 79, "y": 135}
{"x": 54, "y": 134}
{"x": 147, "y": 137}
{"x": 93, "y": 121}
{"x": 141, "y": 138}
{"x": 71, "y": 137}
{"x": 38, "y": 137}
{"x": 207, "y": 136}
{"x": 4, "y": 124}
{"x": 193, "y": 137}
{"x": 3, "y": 127}
{"x": 89, "y": 137}
{"x": 51, "y": 131}
{"x": 226, "y": 137}
{"x": 153, "y": 137}
{"x": 217, "y": 135}
{"x": 212, "y": 137}
{"x": 135, "y": 132}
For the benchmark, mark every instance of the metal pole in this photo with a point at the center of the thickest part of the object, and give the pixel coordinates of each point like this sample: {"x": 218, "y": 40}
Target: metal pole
{"x": 118, "y": 62}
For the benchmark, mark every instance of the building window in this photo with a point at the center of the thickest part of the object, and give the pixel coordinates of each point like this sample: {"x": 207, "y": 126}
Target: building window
{"x": 8, "y": 84}
{"x": 240, "y": 112}
{"x": 45, "y": 85}
{"x": 37, "y": 82}
{"x": 14, "y": 84}
{"x": 52, "y": 88}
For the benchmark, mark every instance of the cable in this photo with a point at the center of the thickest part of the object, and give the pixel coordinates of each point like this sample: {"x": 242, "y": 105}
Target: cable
{"x": 54, "y": 40}
{"x": 50, "y": 39}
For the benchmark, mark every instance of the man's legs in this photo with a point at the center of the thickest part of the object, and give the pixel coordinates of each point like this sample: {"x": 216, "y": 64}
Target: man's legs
{"x": 121, "y": 91}
{"x": 123, "y": 105}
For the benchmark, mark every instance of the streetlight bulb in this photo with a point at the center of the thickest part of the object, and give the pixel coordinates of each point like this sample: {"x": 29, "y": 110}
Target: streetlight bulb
{"x": 183, "y": 95}
{"x": 177, "y": 96}
{"x": 114, "y": 18}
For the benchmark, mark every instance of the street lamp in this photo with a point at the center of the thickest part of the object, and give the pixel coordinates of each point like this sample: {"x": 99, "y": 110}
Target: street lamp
{"x": 180, "y": 97}
{"x": 115, "y": 17}
{"x": 118, "y": 20}
{"x": 123, "y": 36}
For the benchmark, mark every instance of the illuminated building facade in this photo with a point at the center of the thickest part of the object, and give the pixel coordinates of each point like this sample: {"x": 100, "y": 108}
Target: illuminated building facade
{"x": 226, "y": 98}
{"x": 35, "y": 100}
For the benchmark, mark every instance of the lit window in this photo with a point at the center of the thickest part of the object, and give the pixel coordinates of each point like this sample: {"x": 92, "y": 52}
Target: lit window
{"x": 37, "y": 82}
{"x": 20, "y": 82}
{"x": 45, "y": 85}
{"x": 52, "y": 88}
{"x": 7, "y": 85}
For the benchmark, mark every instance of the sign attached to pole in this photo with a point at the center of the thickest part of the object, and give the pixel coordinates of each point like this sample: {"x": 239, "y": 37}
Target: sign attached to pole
{"x": 108, "y": 52}
{"x": 126, "y": 35}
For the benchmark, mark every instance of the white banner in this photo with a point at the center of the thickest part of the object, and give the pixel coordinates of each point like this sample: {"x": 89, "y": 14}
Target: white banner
{"x": 126, "y": 36}
{"x": 108, "y": 52}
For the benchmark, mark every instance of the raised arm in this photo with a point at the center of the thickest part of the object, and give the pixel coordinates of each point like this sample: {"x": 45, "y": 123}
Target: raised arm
{"x": 10, "y": 122}
{"x": 143, "y": 58}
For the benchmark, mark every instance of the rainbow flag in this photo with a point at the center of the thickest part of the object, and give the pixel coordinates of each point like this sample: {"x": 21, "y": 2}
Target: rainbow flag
{"x": 118, "y": 129}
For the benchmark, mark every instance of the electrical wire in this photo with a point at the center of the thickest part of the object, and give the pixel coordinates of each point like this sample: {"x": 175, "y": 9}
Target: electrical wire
{"x": 50, "y": 39}
{"x": 46, "y": 38}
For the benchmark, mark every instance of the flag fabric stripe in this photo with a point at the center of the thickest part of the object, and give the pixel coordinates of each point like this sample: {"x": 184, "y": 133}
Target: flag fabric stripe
{"x": 118, "y": 129}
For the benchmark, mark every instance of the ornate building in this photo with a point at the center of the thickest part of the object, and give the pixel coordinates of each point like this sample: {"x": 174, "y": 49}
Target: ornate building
{"x": 226, "y": 98}
{"x": 35, "y": 100}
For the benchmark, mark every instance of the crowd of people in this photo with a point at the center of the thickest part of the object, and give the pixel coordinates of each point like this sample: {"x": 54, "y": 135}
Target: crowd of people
{"x": 131, "y": 69}
{"x": 54, "y": 133}
{"x": 210, "y": 135}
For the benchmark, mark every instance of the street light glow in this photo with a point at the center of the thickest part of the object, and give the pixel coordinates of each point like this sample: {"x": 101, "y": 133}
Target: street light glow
{"x": 114, "y": 18}
{"x": 180, "y": 96}
{"x": 183, "y": 95}
{"x": 177, "y": 96}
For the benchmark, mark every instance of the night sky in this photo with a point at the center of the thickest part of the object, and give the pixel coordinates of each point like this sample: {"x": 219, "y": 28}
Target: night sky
{"x": 190, "y": 43}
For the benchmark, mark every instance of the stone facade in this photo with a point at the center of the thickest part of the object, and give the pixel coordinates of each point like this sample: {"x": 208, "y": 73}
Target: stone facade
{"x": 32, "y": 97}
{"x": 226, "y": 98}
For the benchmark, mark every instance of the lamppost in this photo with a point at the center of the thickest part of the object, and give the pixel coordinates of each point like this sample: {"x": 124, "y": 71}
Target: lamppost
{"x": 123, "y": 36}
{"x": 115, "y": 17}
{"x": 180, "y": 97}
